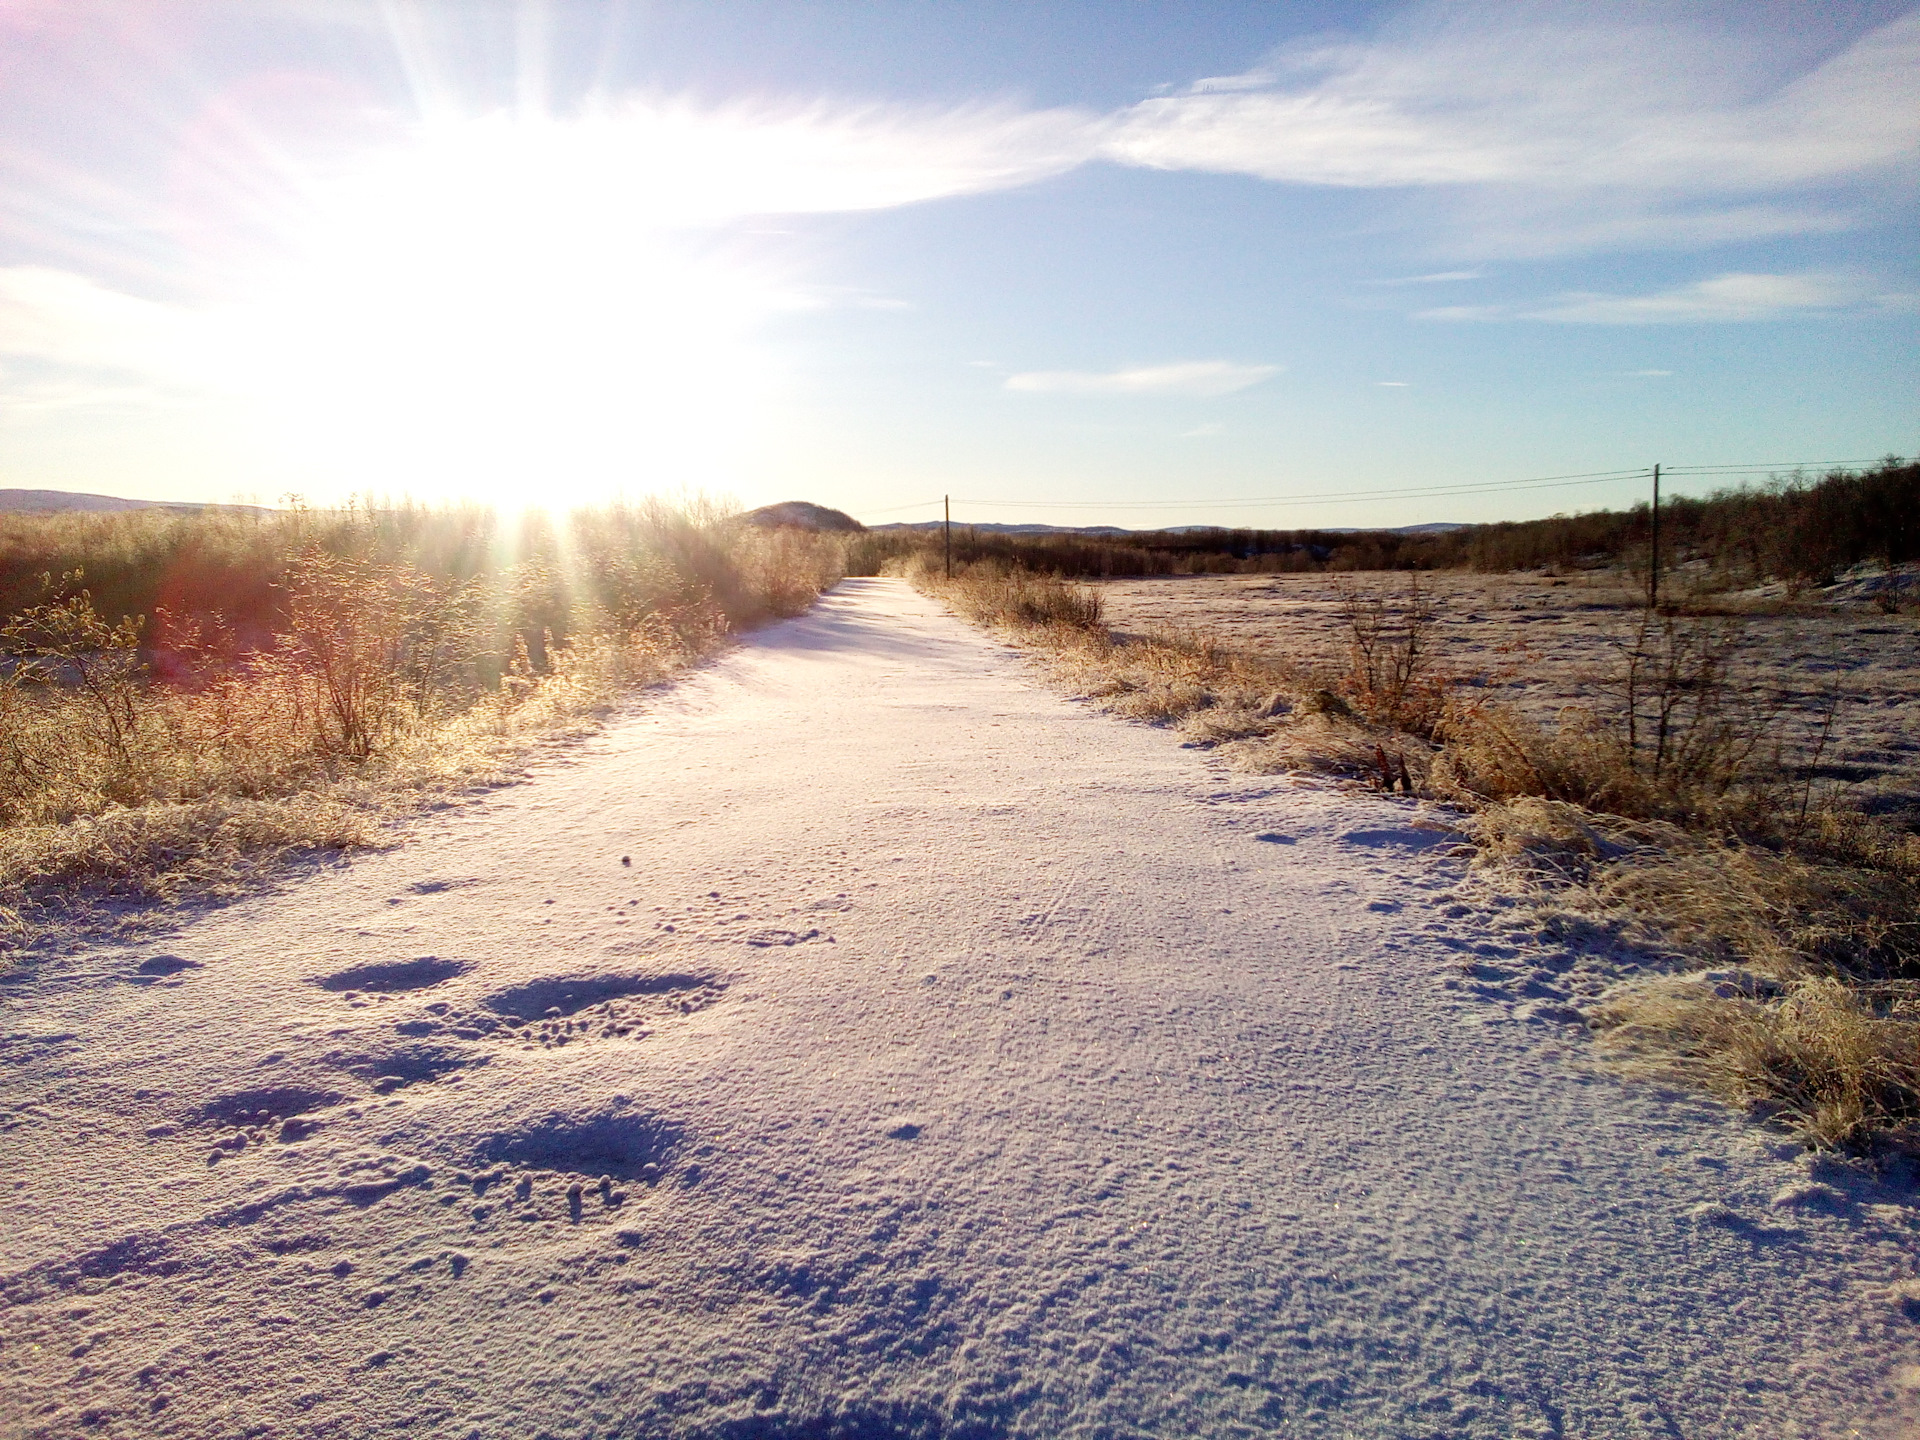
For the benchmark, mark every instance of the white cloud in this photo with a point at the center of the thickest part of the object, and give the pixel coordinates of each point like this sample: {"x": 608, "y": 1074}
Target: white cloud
{"x": 58, "y": 318}
{"x": 1192, "y": 377}
{"x": 1552, "y": 130}
{"x": 1647, "y": 374}
{"x": 1227, "y": 84}
{"x": 1561, "y": 130}
{"x": 1464, "y": 312}
{"x": 1563, "y": 103}
{"x": 1440, "y": 277}
{"x": 1393, "y": 384}
{"x": 1204, "y": 432}
{"x": 671, "y": 162}
{"x": 1731, "y": 297}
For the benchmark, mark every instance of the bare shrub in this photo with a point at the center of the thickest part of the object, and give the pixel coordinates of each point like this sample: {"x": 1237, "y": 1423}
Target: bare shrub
{"x": 786, "y": 567}
{"x": 63, "y": 641}
{"x": 379, "y": 639}
{"x": 1391, "y": 640}
{"x": 1679, "y": 730}
{"x": 1690, "y": 727}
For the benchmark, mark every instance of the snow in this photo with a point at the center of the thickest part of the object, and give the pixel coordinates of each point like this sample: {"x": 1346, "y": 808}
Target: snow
{"x": 989, "y": 1067}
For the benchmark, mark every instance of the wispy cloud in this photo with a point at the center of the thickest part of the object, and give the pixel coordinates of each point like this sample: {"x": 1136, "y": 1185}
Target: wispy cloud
{"x": 1192, "y": 377}
{"x": 1439, "y": 277}
{"x": 1731, "y": 297}
{"x": 1617, "y": 132}
{"x": 671, "y": 162}
{"x": 1536, "y": 129}
{"x": 1548, "y": 129}
{"x": 1587, "y": 129}
{"x": 1734, "y": 297}
{"x": 1393, "y": 384}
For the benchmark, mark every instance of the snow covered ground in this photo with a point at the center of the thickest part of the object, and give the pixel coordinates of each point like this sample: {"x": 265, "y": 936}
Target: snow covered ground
{"x": 861, "y": 1040}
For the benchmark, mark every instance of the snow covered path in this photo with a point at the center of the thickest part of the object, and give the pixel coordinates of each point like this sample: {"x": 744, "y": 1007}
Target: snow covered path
{"x": 960, "y": 1062}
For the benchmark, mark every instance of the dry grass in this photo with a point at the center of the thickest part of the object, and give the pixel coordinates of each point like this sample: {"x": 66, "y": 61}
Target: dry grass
{"x": 132, "y": 775}
{"x": 1839, "y": 1064}
{"x": 1669, "y": 806}
{"x": 1811, "y": 1012}
{"x": 1266, "y": 713}
{"x": 164, "y": 853}
{"x": 989, "y": 592}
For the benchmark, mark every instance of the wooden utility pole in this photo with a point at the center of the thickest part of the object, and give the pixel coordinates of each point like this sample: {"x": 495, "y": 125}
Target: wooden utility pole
{"x": 1653, "y": 560}
{"x": 947, "y": 501}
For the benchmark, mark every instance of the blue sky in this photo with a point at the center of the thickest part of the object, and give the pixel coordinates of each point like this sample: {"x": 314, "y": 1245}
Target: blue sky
{"x": 1100, "y": 263}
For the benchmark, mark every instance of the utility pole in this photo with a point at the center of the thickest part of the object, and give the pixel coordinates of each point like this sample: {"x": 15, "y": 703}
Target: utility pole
{"x": 1653, "y": 561}
{"x": 947, "y": 502}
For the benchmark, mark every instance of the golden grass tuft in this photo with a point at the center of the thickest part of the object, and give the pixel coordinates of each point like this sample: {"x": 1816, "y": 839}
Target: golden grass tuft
{"x": 61, "y": 875}
{"x": 1838, "y": 1064}
{"x": 990, "y": 592}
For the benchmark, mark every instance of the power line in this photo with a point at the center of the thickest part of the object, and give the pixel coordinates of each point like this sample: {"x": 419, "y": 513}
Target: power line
{"x": 1483, "y": 488}
{"x": 917, "y": 505}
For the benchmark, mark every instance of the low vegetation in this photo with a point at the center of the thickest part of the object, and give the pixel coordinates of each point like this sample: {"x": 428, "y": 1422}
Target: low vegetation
{"x": 187, "y": 699}
{"x": 1670, "y": 807}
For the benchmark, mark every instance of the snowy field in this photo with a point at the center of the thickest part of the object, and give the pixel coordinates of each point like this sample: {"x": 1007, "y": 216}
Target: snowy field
{"x": 1546, "y": 642}
{"x": 862, "y": 1040}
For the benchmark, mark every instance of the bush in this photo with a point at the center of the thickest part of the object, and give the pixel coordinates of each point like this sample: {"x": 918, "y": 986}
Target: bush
{"x": 992, "y": 593}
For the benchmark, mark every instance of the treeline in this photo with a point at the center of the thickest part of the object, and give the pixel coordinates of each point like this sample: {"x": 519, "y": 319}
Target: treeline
{"x": 1147, "y": 552}
{"x": 1798, "y": 529}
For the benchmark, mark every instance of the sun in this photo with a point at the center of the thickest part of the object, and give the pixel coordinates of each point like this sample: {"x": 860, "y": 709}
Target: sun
{"x": 505, "y": 310}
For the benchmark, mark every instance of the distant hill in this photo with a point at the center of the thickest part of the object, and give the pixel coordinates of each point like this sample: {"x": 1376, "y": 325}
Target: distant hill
{"x": 47, "y": 501}
{"x": 1432, "y": 527}
{"x": 50, "y": 502}
{"x": 801, "y": 515}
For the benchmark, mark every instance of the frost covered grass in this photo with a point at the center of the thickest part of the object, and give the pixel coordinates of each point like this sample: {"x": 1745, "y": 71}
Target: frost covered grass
{"x": 1797, "y": 984}
{"x": 1840, "y": 1062}
{"x": 381, "y": 660}
{"x": 1672, "y": 805}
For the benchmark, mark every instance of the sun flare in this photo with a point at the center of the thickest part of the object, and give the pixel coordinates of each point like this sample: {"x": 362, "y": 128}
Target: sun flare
{"x": 497, "y": 311}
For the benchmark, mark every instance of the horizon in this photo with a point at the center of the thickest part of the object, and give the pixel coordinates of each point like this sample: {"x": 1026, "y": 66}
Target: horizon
{"x": 1071, "y": 265}
{"x": 728, "y": 507}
